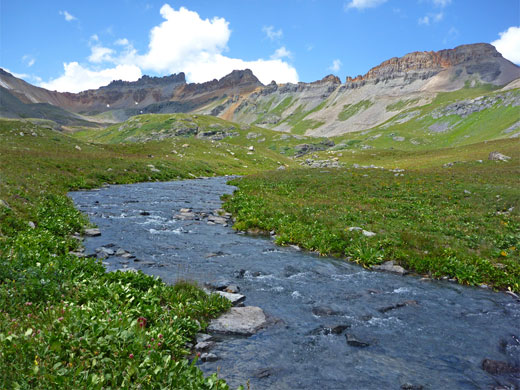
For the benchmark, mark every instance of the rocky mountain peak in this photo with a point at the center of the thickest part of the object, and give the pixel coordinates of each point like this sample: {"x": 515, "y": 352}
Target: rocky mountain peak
{"x": 433, "y": 61}
{"x": 328, "y": 79}
{"x": 147, "y": 81}
{"x": 240, "y": 77}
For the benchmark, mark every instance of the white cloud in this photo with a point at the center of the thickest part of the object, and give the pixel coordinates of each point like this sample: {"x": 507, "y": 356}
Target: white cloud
{"x": 78, "y": 78}
{"x": 430, "y": 18}
{"x": 336, "y": 65}
{"x": 68, "y": 16}
{"x": 425, "y": 20}
{"x": 362, "y": 4}
{"x": 272, "y": 34}
{"x": 28, "y": 60}
{"x": 509, "y": 44}
{"x": 181, "y": 37}
{"x": 183, "y": 42}
{"x": 438, "y": 17}
{"x": 100, "y": 54}
{"x": 441, "y": 3}
{"x": 280, "y": 53}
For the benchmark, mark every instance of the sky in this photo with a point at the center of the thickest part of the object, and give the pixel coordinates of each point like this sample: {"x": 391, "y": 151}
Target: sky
{"x": 78, "y": 45}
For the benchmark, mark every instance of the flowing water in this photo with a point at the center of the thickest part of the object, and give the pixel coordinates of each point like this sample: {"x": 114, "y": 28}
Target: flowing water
{"x": 437, "y": 338}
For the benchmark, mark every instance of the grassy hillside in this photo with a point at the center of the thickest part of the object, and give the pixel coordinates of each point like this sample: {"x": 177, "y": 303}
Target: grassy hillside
{"x": 200, "y": 130}
{"x": 464, "y": 117}
{"x": 462, "y": 222}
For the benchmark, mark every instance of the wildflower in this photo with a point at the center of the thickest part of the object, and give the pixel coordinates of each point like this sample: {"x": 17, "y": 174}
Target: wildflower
{"x": 160, "y": 336}
{"x": 141, "y": 322}
{"x": 60, "y": 319}
{"x": 131, "y": 356}
{"x": 28, "y": 303}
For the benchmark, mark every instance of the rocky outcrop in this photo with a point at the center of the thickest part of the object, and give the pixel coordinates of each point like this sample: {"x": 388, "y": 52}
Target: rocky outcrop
{"x": 237, "y": 82}
{"x": 430, "y": 61}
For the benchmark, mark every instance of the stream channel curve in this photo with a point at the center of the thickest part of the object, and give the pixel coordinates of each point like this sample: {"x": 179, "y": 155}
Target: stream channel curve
{"x": 414, "y": 334}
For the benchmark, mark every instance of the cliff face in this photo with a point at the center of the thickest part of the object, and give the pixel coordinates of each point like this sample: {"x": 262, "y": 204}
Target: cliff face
{"x": 429, "y": 61}
{"x": 327, "y": 107}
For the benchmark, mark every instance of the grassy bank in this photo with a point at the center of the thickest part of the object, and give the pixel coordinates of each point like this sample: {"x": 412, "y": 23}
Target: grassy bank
{"x": 454, "y": 222}
{"x": 64, "y": 322}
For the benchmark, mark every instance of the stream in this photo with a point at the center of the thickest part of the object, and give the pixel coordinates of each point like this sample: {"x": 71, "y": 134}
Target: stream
{"x": 421, "y": 334}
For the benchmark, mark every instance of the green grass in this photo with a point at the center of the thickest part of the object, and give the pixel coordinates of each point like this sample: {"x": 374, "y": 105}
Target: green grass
{"x": 423, "y": 220}
{"x": 306, "y": 124}
{"x": 477, "y": 127}
{"x": 64, "y": 321}
{"x": 399, "y": 105}
{"x": 284, "y": 105}
{"x": 296, "y": 120}
{"x": 269, "y": 144}
{"x": 350, "y": 110}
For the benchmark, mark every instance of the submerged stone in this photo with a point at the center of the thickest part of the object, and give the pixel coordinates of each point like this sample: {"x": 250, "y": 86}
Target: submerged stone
{"x": 243, "y": 321}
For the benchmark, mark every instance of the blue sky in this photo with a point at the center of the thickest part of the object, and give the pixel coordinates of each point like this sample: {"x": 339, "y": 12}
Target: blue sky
{"x": 76, "y": 45}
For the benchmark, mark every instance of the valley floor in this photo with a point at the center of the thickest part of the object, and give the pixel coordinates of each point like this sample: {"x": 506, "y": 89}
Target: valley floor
{"x": 64, "y": 321}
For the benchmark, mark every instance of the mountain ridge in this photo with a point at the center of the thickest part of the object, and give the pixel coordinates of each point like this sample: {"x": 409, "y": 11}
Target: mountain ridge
{"x": 313, "y": 108}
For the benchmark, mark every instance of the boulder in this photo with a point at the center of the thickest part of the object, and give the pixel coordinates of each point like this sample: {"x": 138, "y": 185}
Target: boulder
{"x": 220, "y": 284}
{"x": 94, "y": 232}
{"x": 104, "y": 251}
{"x": 497, "y": 367}
{"x": 322, "y": 311}
{"x": 410, "y": 386}
{"x": 208, "y": 357}
{"x": 389, "y": 266}
{"x": 204, "y": 345}
{"x": 496, "y": 156}
{"x": 201, "y": 337}
{"x": 243, "y": 321}
{"x": 232, "y": 288}
{"x": 355, "y": 342}
{"x": 411, "y": 302}
{"x": 329, "y": 329}
{"x": 235, "y": 299}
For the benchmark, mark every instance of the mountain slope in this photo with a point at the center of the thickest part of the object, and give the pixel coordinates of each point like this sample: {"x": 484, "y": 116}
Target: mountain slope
{"x": 12, "y": 107}
{"x": 325, "y": 107}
